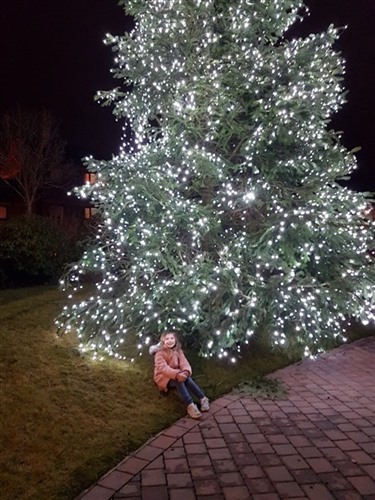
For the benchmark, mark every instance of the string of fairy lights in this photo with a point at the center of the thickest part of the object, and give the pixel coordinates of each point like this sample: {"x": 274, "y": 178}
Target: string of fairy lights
{"x": 222, "y": 215}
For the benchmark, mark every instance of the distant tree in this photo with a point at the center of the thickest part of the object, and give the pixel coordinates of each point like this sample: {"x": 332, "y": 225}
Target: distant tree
{"x": 32, "y": 154}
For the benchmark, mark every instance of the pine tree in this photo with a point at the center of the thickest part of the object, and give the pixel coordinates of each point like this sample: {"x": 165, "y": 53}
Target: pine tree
{"x": 222, "y": 215}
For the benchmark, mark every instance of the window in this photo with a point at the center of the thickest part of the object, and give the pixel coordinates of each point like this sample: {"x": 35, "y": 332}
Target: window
{"x": 89, "y": 212}
{"x": 3, "y": 213}
{"x": 90, "y": 177}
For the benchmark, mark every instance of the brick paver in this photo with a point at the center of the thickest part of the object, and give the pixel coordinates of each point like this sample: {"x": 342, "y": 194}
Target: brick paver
{"x": 317, "y": 444}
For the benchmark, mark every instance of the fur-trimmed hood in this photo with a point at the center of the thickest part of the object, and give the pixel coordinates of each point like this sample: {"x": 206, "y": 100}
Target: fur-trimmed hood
{"x": 153, "y": 349}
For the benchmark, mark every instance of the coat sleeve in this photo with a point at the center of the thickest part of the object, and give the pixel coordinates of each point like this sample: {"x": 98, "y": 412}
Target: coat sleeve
{"x": 162, "y": 366}
{"x": 184, "y": 363}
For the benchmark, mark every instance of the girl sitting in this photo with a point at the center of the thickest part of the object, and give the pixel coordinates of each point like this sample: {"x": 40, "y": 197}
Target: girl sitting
{"x": 172, "y": 369}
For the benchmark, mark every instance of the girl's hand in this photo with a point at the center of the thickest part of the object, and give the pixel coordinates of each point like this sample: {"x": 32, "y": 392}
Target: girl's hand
{"x": 181, "y": 376}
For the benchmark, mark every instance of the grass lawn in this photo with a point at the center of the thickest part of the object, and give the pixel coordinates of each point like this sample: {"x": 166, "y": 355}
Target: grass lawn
{"x": 66, "y": 420}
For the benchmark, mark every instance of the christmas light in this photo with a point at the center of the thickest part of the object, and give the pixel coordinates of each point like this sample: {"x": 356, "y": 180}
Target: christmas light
{"x": 222, "y": 214}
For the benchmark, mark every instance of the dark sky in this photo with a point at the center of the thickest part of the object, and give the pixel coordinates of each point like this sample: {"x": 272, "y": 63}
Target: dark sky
{"x": 52, "y": 55}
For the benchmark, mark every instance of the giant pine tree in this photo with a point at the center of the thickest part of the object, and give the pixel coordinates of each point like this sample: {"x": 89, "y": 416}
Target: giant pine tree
{"x": 226, "y": 217}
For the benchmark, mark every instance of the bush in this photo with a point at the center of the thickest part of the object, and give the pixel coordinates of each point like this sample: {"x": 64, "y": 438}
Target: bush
{"x": 34, "y": 250}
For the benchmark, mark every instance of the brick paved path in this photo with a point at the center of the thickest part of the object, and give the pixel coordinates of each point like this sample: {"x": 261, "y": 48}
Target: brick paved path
{"x": 319, "y": 443}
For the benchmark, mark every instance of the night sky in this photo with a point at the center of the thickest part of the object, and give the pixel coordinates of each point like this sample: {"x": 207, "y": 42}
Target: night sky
{"x": 52, "y": 55}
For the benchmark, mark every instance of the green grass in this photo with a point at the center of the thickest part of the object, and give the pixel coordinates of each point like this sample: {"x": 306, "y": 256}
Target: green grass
{"x": 66, "y": 420}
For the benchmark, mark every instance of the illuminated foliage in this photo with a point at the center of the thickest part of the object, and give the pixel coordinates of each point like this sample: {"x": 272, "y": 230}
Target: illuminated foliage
{"x": 226, "y": 216}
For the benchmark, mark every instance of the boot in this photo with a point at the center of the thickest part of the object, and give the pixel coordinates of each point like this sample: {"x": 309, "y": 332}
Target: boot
{"x": 205, "y": 404}
{"x": 193, "y": 411}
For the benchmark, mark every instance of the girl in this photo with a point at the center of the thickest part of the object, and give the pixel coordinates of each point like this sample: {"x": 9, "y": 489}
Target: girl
{"x": 172, "y": 369}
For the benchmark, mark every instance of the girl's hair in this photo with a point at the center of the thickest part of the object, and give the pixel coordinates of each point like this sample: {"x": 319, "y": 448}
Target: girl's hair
{"x": 164, "y": 334}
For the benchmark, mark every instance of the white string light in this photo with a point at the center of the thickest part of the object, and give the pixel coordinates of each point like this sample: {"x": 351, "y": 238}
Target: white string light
{"x": 222, "y": 215}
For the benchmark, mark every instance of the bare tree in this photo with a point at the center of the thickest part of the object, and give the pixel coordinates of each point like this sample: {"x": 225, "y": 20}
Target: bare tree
{"x": 32, "y": 153}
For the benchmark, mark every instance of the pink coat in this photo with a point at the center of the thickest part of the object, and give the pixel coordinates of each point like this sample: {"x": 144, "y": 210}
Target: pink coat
{"x": 168, "y": 363}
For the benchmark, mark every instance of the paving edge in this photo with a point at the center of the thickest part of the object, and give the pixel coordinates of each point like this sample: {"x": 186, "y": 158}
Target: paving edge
{"x": 141, "y": 458}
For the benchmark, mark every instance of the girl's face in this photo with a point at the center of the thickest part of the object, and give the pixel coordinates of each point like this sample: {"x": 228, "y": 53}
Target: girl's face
{"x": 169, "y": 340}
